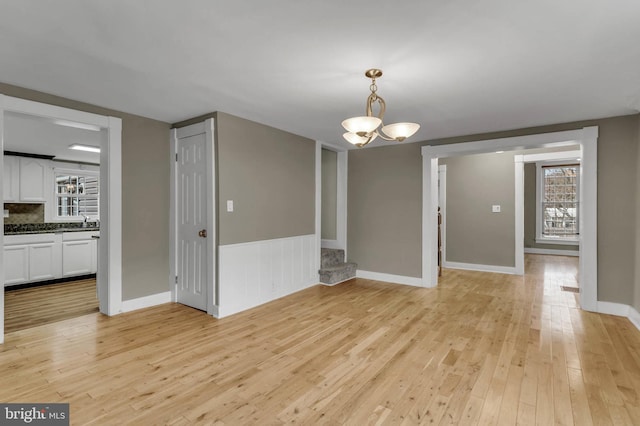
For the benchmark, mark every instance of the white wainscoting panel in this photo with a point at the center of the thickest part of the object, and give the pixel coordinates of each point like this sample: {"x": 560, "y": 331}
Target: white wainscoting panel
{"x": 258, "y": 272}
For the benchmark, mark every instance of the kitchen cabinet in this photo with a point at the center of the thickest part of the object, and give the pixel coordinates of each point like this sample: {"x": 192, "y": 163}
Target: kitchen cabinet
{"x": 49, "y": 256}
{"x": 26, "y": 180}
{"x": 34, "y": 175}
{"x": 79, "y": 253}
{"x": 45, "y": 262}
{"x": 33, "y": 257}
{"x": 11, "y": 175}
{"x": 16, "y": 264}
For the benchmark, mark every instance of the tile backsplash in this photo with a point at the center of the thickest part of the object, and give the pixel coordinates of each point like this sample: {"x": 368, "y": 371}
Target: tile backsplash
{"x": 24, "y": 213}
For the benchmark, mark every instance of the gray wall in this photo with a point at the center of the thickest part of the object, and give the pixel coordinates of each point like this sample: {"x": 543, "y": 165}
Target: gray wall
{"x": 270, "y": 176}
{"x": 145, "y": 194}
{"x": 379, "y": 176}
{"x": 474, "y": 233}
{"x": 530, "y": 213}
{"x": 384, "y": 209}
{"x": 329, "y": 194}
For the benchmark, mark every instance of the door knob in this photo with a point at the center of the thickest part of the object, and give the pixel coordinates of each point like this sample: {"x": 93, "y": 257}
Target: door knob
{"x": 203, "y": 233}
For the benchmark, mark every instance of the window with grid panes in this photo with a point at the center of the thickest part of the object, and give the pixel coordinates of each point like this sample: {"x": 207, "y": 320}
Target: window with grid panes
{"x": 559, "y": 202}
{"x": 77, "y": 195}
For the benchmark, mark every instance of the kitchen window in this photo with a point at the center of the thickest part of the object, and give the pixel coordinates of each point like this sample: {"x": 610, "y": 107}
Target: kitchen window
{"x": 558, "y": 203}
{"x": 77, "y": 195}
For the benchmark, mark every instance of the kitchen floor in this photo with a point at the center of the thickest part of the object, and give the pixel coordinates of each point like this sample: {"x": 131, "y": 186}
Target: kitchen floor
{"x": 35, "y": 306}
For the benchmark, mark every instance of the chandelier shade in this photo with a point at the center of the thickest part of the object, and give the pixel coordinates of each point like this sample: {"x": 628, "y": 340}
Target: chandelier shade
{"x": 362, "y": 130}
{"x": 361, "y": 125}
{"x": 400, "y": 131}
{"x": 359, "y": 141}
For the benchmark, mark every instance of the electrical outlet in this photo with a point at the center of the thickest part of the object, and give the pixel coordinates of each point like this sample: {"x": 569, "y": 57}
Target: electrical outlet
{"x": 229, "y": 205}
{"x": 495, "y": 208}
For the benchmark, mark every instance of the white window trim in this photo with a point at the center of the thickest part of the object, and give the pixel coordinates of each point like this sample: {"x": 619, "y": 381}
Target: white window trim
{"x": 540, "y": 238}
{"x": 73, "y": 172}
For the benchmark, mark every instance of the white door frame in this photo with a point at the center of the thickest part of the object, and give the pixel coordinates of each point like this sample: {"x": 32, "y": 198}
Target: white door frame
{"x": 586, "y": 137}
{"x": 442, "y": 202}
{"x": 206, "y": 127}
{"x": 341, "y": 195}
{"x": 110, "y": 244}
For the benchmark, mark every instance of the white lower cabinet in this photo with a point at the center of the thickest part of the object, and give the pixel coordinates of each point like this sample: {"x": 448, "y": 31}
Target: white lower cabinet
{"x": 16, "y": 264}
{"x": 78, "y": 257}
{"x": 45, "y": 261}
{"x": 41, "y": 257}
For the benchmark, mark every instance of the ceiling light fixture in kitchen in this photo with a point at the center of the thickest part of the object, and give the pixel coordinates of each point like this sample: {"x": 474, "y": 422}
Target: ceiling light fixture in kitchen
{"x": 88, "y": 148}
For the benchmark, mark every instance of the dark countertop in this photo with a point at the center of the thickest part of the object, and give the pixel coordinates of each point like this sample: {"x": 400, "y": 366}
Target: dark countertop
{"x": 45, "y": 228}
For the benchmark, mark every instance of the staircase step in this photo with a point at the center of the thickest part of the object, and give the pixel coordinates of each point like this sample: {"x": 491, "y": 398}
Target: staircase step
{"x": 331, "y": 257}
{"x": 337, "y": 273}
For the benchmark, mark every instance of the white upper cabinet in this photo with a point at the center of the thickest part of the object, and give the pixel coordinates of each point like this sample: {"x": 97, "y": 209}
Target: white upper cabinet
{"x": 26, "y": 180}
{"x": 11, "y": 176}
{"x": 34, "y": 175}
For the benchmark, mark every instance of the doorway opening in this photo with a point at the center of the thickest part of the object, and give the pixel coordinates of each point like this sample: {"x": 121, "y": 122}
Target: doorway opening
{"x": 483, "y": 206}
{"x": 40, "y": 176}
{"x": 585, "y": 138}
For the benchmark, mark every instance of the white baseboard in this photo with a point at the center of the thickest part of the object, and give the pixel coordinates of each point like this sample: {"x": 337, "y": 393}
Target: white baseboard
{"x": 481, "y": 268}
{"x": 146, "y": 301}
{"x": 554, "y": 252}
{"x": 215, "y": 311}
{"x": 224, "y": 311}
{"x": 331, "y": 285}
{"x": 390, "y": 278}
{"x": 610, "y": 308}
{"x": 331, "y": 244}
{"x": 620, "y": 310}
{"x": 634, "y": 317}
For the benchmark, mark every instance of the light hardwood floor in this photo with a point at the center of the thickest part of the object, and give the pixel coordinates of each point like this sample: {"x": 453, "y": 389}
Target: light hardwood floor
{"x": 34, "y": 306}
{"x": 481, "y": 349}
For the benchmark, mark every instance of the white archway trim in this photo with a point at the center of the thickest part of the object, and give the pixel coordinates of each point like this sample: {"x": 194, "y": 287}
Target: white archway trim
{"x": 111, "y": 175}
{"x": 586, "y": 137}
{"x": 341, "y": 194}
{"x": 519, "y": 210}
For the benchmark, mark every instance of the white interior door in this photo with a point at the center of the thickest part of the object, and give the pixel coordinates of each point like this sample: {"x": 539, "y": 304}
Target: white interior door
{"x": 191, "y": 217}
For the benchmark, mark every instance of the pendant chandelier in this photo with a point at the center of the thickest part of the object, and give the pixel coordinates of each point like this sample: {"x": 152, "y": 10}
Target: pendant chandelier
{"x": 362, "y": 130}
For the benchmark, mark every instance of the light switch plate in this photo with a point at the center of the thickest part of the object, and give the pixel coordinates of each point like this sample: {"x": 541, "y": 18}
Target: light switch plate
{"x": 229, "y": 205}
{"x": 495, "y": 208}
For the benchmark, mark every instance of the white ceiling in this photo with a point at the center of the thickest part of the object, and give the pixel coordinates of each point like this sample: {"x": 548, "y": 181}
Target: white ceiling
{"x": 34, "y": 135}
{"x": 456, "y": 67}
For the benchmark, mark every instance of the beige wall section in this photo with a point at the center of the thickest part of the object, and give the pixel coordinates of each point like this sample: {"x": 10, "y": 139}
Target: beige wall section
{"x": 617, "y": 169}
{"x": 474, "y": 233}
{"x": 145, "y": 194}
{"x": 530, "y": 212}
{"x": 617, "y": 176}
{"x": 329, "y": 194}
{"x": 384, "y": 209}
{"x": 270, "y": 176}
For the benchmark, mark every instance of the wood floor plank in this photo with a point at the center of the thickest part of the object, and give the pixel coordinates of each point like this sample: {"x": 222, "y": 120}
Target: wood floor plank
{"x": 35, "y": 306}
{"x": 482, "y": 348}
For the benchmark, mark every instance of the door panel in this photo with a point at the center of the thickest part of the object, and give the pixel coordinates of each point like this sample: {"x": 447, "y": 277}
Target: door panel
{"x": 191, "y": 172}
